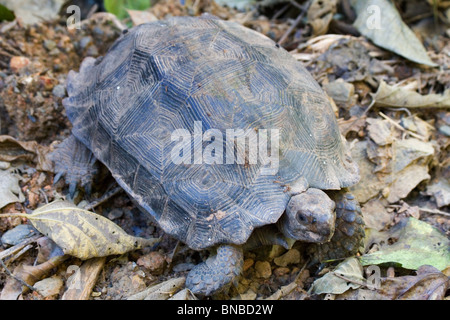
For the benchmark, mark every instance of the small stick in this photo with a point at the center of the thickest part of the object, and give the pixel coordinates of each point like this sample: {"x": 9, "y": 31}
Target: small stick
{"x": 17, "y": 278}
{"x": 295, "y": 23}
{"x": 18, "y": 247}
{"x": 401, "y": 128}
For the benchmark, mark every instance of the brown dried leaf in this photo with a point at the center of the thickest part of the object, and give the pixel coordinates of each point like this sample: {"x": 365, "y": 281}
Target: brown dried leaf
{"x": 391, "y": 96}
{"x": 30, "y": 275}
{"x": 9, "y": 189}
{"x": 81, "y": 283}
{"x": 14, "y": 150}
{"x": 428, "y": 284}
{"x": 320, "y": 14}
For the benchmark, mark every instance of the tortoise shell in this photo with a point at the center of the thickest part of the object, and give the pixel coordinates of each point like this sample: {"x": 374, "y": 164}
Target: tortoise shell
{"x": 168, "y": 75}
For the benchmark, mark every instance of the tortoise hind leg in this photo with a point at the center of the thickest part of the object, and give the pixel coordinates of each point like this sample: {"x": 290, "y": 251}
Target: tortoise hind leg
{"x": 349, "y": 232}
{"x": 76, "y": 163}
{"x": 218, "y": 272}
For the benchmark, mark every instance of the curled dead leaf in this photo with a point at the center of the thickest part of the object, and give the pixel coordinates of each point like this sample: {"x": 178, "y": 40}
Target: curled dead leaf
{"x": 428, "y": 284}
{"x": 14, "y": 150}
{"x": 402, "y": 97}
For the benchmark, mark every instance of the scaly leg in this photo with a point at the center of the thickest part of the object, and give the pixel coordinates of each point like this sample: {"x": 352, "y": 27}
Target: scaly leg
{"x": 76, "y": 163}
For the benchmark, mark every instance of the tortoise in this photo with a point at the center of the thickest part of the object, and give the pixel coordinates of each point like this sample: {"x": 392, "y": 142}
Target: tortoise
{"x": 186, "y": 73}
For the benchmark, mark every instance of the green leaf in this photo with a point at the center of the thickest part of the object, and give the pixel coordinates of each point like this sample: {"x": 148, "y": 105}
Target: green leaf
{"x": 418, "y": 244}
{"x": 119, "y": 7}
{"x": 6, "y": 14}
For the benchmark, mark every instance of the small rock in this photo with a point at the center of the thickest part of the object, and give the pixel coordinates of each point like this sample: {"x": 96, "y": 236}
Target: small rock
{"x": 153, "y": 261}
{"x": 183, "y": 267}
{"x": 248, "y": 295}
{"x": 4, "y": 165}
{"x": 115, "y": 214}
{"x": 343, "y": 93}
{"x": 281, "y": 272}
{"x": 445, "y": 130}
{"x": 18, "y": 234}
{"x": 49, "y": 44}
{"x": 276, "y": 251}
{"x": 263, "y": 269}
{"x": 84, "y": 42}
{"x": 49, "y": 287}
{"x": 290, "y": 257}
{"x": 247, "y": 264}
{"x": 92, "y": 51}
{"x": 17, "y": 63}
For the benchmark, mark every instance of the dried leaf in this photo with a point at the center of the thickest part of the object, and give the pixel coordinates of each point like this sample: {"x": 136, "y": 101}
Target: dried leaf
{"x": 30, "y": 12}
{"x": 428, "y": 284}
{"x": 375, "y": 215}
{"x": 140, "y": 17}
{"x": 320, "y": 13}
{"x": 418, "y": 244}
{"x": 184, "y": 294}
{"x": 30, "y": 275}
{"x": 83, "y": 234}
{"x": 9, "y": 189}
{"x": 405, "y": 181}
{"x": 379, "y": 21}
{"x": 391, "y": 96}
{"x": 14, "y": 150}
{"x": 440, "y": 190}
{"x": 160, "y": 291}
{"x": 81, "y": 283}
{"x": 350, "y": 269}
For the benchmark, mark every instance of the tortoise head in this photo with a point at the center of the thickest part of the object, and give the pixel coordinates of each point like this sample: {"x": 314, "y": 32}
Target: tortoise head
{"x": 309, "y": 217}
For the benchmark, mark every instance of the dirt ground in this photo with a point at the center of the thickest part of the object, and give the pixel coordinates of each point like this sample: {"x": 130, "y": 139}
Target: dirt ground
{"x": 403, "y": 151}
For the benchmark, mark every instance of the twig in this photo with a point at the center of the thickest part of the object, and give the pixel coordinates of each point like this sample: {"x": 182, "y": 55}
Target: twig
{"x": 401, "y": 128}
{"x": 18, "y": 247}
{"x": 295, "y": 23}
{"x": 435, "y": 211}
{"x": 17, "y": 278}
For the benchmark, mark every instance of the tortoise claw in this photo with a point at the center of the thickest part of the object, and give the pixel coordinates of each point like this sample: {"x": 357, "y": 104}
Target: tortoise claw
{"x": 76, "y": 163}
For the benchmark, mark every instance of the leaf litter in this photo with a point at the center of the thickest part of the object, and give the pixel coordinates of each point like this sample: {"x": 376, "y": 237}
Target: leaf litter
{"x": 391, "y": 99}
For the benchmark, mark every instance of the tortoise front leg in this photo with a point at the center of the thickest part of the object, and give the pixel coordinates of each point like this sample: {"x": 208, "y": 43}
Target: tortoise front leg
{"x": 218, "y": 272}
{"x": 348, "y": 234}
{"x": 76, "y": 163}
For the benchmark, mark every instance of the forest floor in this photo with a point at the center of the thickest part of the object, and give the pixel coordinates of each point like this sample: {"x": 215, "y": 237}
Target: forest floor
{"x": 392, "y": 111}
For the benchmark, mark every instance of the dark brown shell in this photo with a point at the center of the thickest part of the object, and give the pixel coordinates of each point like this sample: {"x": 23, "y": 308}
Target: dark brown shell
{"x": 165, "y": 75}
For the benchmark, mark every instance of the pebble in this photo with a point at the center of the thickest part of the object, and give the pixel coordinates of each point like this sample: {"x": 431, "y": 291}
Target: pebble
{"x": 263, "y": 269}
{"x": 247, "y": 264}
{"x": 17, "y": 63}
{"x": 4, "y": 165}
{"x": 18, "y": 234}
{"x": 115, "y": 214}
{"x": 290, "y": 257}
{"x": 49, "y": 44}
{"x": 153, "y": 261}
{"x": 84, "y": 42}
{"x": 445, "y": 130}
{"x": 49, "y": 287}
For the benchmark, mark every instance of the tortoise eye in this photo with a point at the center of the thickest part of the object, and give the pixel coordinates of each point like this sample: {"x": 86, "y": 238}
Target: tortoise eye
{"x": 301, "y": 217}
